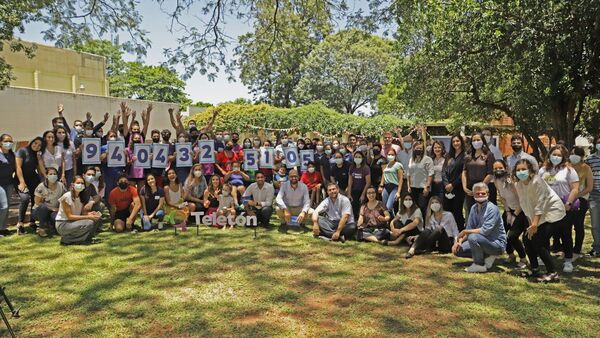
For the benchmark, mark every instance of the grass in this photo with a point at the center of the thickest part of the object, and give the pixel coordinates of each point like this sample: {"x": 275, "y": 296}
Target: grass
{"x": 225, "y": 283}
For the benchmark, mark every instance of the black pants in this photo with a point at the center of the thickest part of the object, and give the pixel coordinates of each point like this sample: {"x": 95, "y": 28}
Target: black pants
{"x": 356, "y": 201}
{"x": 399, "y": 225}
{"x": 437, "y": 189}
{"x": 44, "y": 216}
{"x": 537, "y": 246}
{"x": 263, "y": 215}
{"x": 420, "y": 199}
{"x": 513, "y": 232}
{"x": 493, "y": 193}
{"x": 455, "y": 206}
{"x": 578, "y": 219}
{"x": 430, "y": 240}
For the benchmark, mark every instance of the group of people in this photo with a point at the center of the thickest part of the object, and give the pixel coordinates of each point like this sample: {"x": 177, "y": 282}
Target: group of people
{"x": 404, "y": 190}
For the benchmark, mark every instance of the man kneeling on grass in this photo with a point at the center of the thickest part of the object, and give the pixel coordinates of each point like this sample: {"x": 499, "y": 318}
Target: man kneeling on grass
{"x": 484, "y": 238}
{"x": 338, "y": 223}
{"x": 124, "y": 204}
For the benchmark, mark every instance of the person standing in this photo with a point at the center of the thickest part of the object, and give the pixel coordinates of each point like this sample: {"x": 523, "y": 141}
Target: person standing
{"x": 454, "y": 195}
{"x": 594, "y": 162}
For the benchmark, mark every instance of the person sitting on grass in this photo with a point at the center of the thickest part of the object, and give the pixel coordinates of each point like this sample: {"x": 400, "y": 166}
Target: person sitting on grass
{"x": 260, "y": 199}
{"x": 226, "y": 204}
{"x": 74, "y": 224}
{"x": 293, "y": 200}
{"x": 439, "y": 233}
{"x": 46, "y": 201}
{"x": 124, "y": 205}
{"x": 373, "y": 219}
{"x": 176, "y": 209}
{"x": 407, "y": 224}
{"x": 211, "y": 195}
{"x": 338, "y": 222}
{"x": 152, "y": 203}
{"x": 484, "y": 237}
{"x": 235, "y": 178}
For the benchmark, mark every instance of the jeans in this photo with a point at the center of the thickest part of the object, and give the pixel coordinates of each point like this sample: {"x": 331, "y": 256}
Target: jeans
{"x": 478, "y": 247}
{"x": 578, "y": 223}
{"x": 327, "y": 227}
{"x": 389, "y": 196}
{"x": 44, "y": 216}
{"x": 595, "y": 214}
{"x": 148, "y": 224}
{"x": 26, "y": 200}
{"x": 6, "y": 191}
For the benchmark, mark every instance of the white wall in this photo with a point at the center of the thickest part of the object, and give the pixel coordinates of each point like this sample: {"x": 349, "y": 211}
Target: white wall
{"x": 27, "y": 113}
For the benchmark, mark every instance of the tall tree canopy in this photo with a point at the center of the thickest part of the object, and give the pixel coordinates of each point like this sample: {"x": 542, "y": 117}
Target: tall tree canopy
{"x": 535, "y": 61}
{"x": 346, "y": 70}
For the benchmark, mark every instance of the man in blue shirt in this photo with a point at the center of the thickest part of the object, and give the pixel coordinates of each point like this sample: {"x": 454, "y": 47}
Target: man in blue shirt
{"x": 484, "y": 237}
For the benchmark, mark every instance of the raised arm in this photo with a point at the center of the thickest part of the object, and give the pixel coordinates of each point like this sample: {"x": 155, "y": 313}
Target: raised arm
{"x": 146, "y": 119}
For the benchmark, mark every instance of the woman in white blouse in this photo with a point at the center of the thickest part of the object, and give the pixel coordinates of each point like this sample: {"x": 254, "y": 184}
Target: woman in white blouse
{"x": 66, "y": 147}
{"x": 438, "y": 155}
{"x": 419, "y": 176}
{"x": 513, "y": 217}
{"x": 439, "y": 233}
{"x": 563, "y": 179}
{"x": 546, "y": 213}
{"x": 53, "y": 155}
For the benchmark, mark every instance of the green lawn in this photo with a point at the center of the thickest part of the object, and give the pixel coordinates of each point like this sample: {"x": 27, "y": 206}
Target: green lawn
{"x": 225, "y": 283}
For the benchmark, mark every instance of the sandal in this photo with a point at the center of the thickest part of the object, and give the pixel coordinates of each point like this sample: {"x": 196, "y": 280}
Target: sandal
{"x": 549, "y": 278}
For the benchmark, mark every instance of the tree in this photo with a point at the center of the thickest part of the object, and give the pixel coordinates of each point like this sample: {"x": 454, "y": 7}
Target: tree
{"x": 112, "y": 52}
{"x": 202, "y": 104}
{"x": 346, "y": 71}
{"x": 535, "y": 61}
{"x": 157, "y": 83}
{"x": 270, "y": 57}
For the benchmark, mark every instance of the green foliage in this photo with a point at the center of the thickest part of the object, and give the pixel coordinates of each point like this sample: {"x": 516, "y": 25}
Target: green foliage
{"x": 346, "y": 70}
{"x": 537, "y": 62}
{"x": 202, "y": 104}
{"x": 309, "y": 118}
{"x": 269, "y": 58}
{"x": 156, "y": 83}
{"x": 112, "y": 52}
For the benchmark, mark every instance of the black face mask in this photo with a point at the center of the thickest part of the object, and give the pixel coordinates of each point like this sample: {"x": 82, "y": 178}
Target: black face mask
{"x": 517, "y": 149}
{"x": 155, "y": 139}
{"x": 123, "y": 185}
{"x": 194, "y": 138}
{"x": 235, "y": 140}
{"x": 499, "y": 173}
{"x": 137, "y": 141}
{"x": 228, "y": 147}
{"x": 166, "y": 139}
{"x": 418, "y": 152}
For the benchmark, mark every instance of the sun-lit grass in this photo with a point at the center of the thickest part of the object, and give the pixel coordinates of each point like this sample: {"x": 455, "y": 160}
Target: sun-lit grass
{"x": 225, "y": 283}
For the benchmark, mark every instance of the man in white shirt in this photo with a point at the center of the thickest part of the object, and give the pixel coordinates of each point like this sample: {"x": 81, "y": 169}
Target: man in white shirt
{"x": 259, "y": 199}
{"x": 293, "y": 201}
{"x": 338, "y": 221}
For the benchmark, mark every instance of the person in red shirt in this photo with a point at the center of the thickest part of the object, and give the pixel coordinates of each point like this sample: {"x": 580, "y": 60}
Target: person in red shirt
{"x": 312, "y": 179}
{"x": 226, "y": 158}
{"x": 124, "y": 204}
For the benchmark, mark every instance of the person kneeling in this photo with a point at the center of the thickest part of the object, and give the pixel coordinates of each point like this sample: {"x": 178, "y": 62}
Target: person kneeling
{"x": 124, "y": 204}
{"x": 484, "y": 235}
{"x": 339, "y": 220}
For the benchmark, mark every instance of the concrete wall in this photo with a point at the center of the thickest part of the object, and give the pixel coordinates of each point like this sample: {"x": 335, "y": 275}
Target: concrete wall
{"x": 26, "y": 113}
{"x": 58, "y": 69}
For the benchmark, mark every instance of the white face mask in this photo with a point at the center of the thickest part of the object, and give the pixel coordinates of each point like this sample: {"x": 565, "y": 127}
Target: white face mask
{"x": 79, "y": 187}
{"x": 481, "y": 199}
{"x": 391, "y": 158}
{"x": 89, "y": 132}
{"x": 301, "y": 146}
{"x": 477, "y": 144}
{"x": 197, "y": 173}
{"x": 358, "y": 160}
{"x": 328, "y": 151}
{"x": 112, "y": 138}
{"x": 339, "y": 160}
{"x": 435, "y": 207}
{"x": 52, "y": 178}
{"x": 555, "y": 159}
{"x": 319, "y": 148}
{"x": 284, "y": 141}
{"x": 408, "y": 203}
{"x": 598, "y": 146}
{"x": 7, "y": 145}
{"x": 575, "y": 159}
{"x": 311, "y": 170}
{"x": 79, "y": 129}
{"x": 182, "y": 140}
{"x": 89, "y": 178}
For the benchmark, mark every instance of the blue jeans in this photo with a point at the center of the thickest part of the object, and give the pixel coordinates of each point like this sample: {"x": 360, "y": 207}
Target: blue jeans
{"x": 389, "y": 198}
{"x": 595, "y": 214}
{"x": 6, "y": 191}
{"x": 478, "y": 247}
{"x": 148, "y": 224}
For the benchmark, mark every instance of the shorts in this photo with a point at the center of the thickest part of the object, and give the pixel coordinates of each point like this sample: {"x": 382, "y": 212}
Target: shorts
{"x": 122, "y": 215}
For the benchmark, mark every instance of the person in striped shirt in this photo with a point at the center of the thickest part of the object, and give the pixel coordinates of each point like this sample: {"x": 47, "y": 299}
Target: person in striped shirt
{"x": 594, "y": 162}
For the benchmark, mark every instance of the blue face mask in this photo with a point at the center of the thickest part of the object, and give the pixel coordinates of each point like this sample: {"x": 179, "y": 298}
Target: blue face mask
{"x": 523, "y": 175}
{"x": 407, "y": 145}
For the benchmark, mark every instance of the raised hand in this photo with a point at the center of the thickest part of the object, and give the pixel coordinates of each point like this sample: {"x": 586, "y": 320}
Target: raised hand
{"x": 106, "y": 116}
{"x": 60, "y": 109}
{"x": 88, "y": 116}
{"x": 124, "y": 106}
{"x": 149, "y": 108}
{"x": 171, "y": 111}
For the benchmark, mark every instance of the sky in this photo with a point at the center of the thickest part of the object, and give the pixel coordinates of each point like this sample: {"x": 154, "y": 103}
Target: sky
{"x": 156, "y": 22}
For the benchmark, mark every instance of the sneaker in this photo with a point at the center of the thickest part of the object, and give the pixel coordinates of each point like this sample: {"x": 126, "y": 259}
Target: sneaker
{"x": 41, "y": 232}
{"x": 134, "y": 231}
{"x": 342, "y": 239}
{"x": 161, "y": 225}
{"x": 522, "y": 263}
{"x": 512, "y": 258}
{"x": 549, "y": 278}
{"x": 475, "y": 268}
{"x": 568, "y": 267}
{"x": 576, "y": 256}
{"x": 593, "y": 253}
{"x": 20, "y": 230}
{"x": 540, "y": 262}
{"x": 489, "y": 261}
{"x": 324, "y": 238}
{"x": 409, "y": 254}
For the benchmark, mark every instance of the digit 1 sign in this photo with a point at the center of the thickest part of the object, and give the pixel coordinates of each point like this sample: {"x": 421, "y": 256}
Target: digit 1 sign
{"x": 267, "y": 157}
{"x": 207, "y": 151}
{"x": 91, "y": 150}
{"x": 116, "y": 156}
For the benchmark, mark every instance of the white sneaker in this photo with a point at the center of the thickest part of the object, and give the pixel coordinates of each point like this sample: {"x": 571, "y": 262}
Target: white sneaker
{"x": 476, "y": 268}
{"x": 522, "y": 263}
{"x": 160, "y": 225}
{"x": 568, "y": 267}
{"x": 576, "y": 256}
{"x": 541, "y": 262}
{"x": 489, "y": 261}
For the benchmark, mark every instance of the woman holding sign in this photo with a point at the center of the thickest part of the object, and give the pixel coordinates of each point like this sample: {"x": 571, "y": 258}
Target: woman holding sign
{"x": 111, "y": 173}
{"x": 208, "y": 169}
{"x": 135, "y": 174}
{"x": 226, "y": 158}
